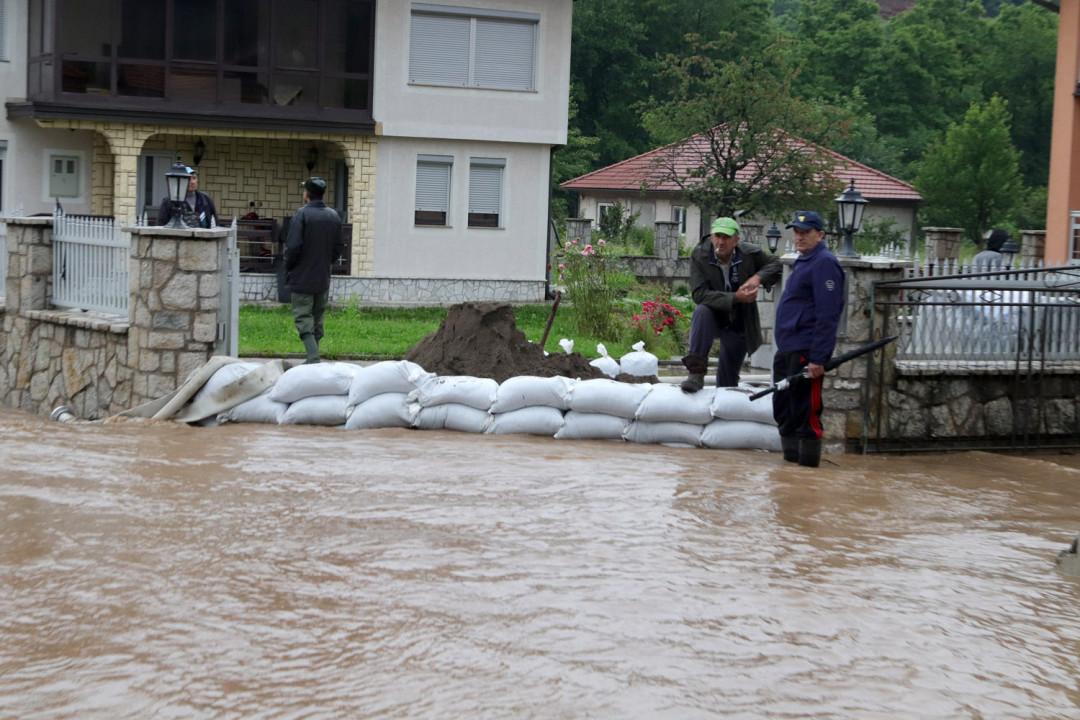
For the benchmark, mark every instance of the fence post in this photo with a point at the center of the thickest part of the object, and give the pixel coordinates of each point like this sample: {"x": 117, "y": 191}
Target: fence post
{"x": 30, "y": 263}
{"x": 579, "y": 229}
{"x": 175, "y": 297}
{"x": 1032, "y": 245}
{"x": 666, "y": 240}
{"x": 942, "y": 243}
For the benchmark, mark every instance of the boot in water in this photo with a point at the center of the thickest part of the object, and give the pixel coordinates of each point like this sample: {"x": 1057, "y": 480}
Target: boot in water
{"x": 809, "y": 452}
{"x": 791, "y": 448}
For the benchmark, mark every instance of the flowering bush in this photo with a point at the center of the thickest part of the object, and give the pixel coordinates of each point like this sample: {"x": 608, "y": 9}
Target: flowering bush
{"x": 658, "y": 315}
{"x": 591, "y": 286}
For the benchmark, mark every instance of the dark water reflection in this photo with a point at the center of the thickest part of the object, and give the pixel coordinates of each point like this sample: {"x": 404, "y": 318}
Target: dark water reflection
{"x": 158, "y": 571}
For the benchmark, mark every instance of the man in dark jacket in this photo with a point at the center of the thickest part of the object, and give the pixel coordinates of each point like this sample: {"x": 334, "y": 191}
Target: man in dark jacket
{"x": 807, "y": 319}
{"x": 314, "y": 244}
{"x": 198, "y": 210}
{"x": 724, "y": 280}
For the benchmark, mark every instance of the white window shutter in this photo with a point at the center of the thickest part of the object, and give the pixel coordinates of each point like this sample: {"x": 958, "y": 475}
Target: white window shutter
{"x": 485, "y": 189}
{"x": 433, "y": 186}
{"x": 439, "y": 49}
{"x": 504, "y": 54}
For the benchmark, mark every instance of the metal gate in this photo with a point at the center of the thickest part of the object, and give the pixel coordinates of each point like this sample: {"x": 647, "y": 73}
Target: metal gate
{"x": 1009, "y": 339}
{"x": 228, "y": 321}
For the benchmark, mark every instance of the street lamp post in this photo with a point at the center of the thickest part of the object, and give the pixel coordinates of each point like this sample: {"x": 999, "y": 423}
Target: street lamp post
{"x": 850, "y": 205}
{"x": 1009, "y": 250}
{"x": 177, "y": 182}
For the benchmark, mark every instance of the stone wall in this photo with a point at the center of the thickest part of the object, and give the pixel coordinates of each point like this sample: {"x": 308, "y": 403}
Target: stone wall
{"x": 403, "y": 292}
{"x": 99, "y": 364}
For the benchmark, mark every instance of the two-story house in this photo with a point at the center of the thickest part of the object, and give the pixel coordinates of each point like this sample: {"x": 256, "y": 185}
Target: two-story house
{"x": 433, "y": 123}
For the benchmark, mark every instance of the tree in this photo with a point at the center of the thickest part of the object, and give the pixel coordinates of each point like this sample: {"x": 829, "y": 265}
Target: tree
{"x": 575, "y": 158}
{"x": 733, "y": 130}
{"x": 838, "y": 43}
{"x": 971, "y": 177}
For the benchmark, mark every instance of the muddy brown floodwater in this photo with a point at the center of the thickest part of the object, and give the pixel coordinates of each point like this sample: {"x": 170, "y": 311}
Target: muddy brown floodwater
{"x": 150, "y": 570}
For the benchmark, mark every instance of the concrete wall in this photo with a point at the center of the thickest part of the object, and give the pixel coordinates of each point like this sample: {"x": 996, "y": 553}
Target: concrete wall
{"x": 516, "y": 251}
{"x": 405, "y": 110}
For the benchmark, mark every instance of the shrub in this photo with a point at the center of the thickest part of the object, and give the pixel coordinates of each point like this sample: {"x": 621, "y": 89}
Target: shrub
{"x": 593, "y": 282}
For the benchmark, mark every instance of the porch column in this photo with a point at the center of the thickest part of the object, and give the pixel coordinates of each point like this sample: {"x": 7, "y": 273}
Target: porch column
{"x": 126, "y": 143}
{"x": 360, "y": 159}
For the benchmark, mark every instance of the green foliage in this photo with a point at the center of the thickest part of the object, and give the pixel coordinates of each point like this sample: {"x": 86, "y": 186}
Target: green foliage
{"x": 616, "y": 222}
{"x": 877, "y": 235}
{"x": 592, "y": 280}
{"x": 576, "y": 158}
{"x": 971, "y": 177}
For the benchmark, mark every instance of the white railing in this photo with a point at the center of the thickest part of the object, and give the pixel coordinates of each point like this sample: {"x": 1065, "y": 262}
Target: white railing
{"x": 3, "y": 261}
{"x": 90, "y": 264}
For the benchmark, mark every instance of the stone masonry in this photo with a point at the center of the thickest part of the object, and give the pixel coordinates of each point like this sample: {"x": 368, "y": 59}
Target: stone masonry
{"x": 99, "y": 364}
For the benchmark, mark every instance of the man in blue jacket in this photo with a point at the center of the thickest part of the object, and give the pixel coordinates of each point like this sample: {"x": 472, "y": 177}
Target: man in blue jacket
{"x": 806, "y": 323}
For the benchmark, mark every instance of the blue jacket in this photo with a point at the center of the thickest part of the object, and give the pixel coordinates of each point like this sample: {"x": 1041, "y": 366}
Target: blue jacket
{"x": 811, "y": 306}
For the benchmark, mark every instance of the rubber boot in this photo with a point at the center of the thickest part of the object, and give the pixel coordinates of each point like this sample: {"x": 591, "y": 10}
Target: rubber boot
{"x": 809, "y": 452}
{"x": 791, "y": 448}
{"x": 311, "y": 347}
{"x": 695, "y": 367}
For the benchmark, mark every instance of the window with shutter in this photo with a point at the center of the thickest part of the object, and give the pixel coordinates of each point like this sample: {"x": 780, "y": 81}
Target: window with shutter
{"x": 466, "y": 48}
{"x": 485, "y": 192}
{"x": 433, "y": 190}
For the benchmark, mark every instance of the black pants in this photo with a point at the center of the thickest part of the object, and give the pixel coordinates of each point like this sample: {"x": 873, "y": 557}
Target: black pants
{"x": 797, "y": 410}
{"x": 704, "y": 330}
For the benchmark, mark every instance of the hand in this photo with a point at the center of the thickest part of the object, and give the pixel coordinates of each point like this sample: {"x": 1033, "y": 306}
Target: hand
{"x": 753, "y": 282}
{"x": 746, "y": 294}
{"x": 814, "y": 371}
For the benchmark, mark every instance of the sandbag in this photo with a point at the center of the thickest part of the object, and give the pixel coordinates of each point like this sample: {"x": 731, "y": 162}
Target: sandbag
{"x": 526, "y": 391}
{"x": 536, "y": 420}
{"x": 605, "y": 363}
{"x": 390, "y": 376}
{"x": 221, "y": 378}
{"x": 478, "y": 393}
{"x": 734, "y": 404}
{"x": 317, "y": 410}
{"x": 381, "y": 411}
{"x": 303, "y": 381}
{"x": 640, "y": 362}
{"x": 668, "y": 403}
{"x": 740, "y": 435}
{"x": 591, "y": 426}
{"x": 259, "y": 409}
{"x": 663, "y": 432}
{"x": 450, "y": 416}
{"x": 607, "y": 397}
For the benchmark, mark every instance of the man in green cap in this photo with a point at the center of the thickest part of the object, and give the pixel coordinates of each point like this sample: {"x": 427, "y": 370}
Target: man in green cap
{"x": 724, "y": 280}
{"x": 313, "y": 246}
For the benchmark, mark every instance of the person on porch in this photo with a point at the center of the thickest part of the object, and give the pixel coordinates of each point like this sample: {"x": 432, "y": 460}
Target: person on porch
{"x": 199, "y": 210}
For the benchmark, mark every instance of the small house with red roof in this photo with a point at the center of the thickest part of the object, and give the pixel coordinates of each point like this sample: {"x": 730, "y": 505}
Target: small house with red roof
{"x": 643, "y": 184}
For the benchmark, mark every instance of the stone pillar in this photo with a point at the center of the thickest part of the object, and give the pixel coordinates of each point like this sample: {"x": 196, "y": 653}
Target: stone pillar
{"x": 844, "y": 390}
{"x": 360, "y": 155}
{"x": 579, "y": 229}
{"x": 30, "y": 264}
{"x": 175, "y": 296}
{"x": 126, "y": 143}
{"x": 943, "y": 243}
{"x": 1032, "y": 245}
{"x": 666, "y": 242}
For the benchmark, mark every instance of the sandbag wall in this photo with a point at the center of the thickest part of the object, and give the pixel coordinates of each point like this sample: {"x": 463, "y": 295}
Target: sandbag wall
{"x": 402, "y": 394}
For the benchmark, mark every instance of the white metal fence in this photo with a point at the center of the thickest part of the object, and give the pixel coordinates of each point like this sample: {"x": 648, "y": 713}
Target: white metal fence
{"x": 90, "y": 264}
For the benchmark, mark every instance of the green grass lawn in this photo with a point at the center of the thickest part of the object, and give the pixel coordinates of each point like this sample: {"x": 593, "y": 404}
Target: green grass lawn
{"x": 386, "y": 333}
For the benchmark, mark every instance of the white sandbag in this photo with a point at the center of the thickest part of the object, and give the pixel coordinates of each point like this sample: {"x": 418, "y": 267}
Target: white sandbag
{"x": 475, "y": 392}
{"x": 640, "y": 362}
{"x": 591, "y": 426}
{"x": 607, "y": 397}
{"x": 567, "y": 345}
{"x": 450, "y": 416}
{"x": 677, "y": 433}
{"x": 733, "y": 404}
{"x": 740, "y": 435}
{"x": 605, "y": 363}
{"x": 303, "y": 381}
{"x": 221, "y": 378}
{"x": 536, "y": 420}
{"x": 382, "y": 411}
{"x": 390, "y": 376}
{"x": 668, "y": 403}
{"x": 526, "y": 391}
{"x": 259, "y": 409}
{"x": 317, "y": 410}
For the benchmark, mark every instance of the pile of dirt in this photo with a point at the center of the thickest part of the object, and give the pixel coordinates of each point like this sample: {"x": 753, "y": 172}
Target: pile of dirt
{"x": 481, "y": 340}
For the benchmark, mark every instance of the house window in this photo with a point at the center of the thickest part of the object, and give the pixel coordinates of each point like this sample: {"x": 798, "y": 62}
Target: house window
{"x": 63, "y": 176}
{"x": 467, "y": 48}
{"x": 678, "y": 214}
{"x": 433, "y": 189}
{"x": 485, "y": 192}
{"x": 602, "y": 210}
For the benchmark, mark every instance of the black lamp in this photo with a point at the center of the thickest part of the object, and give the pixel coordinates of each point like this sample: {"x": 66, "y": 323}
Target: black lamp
{"x": 176, "y": 180}
{"x": 312, "y": 158}
{"x": 1009, "y": 250}
{"x": 772, "y": 237}
{"x": 850, "y": 205}
{"x": 199, "y": 152}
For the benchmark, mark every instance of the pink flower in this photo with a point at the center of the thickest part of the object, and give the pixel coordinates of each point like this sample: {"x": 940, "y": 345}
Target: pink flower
{"x": 574, "y": 241}
{"x": 562, "y": 266}
{"x": 588, "y": 250}
{"x": 601, "y": 242}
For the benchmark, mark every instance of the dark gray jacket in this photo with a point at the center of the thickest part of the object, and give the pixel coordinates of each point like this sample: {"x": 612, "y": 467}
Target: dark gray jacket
{"x": 707, "y": 285}
{"x": 313, "y": 245}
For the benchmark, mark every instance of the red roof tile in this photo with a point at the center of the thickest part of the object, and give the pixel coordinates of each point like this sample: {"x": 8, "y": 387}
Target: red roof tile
{"x": 648, "y": 169}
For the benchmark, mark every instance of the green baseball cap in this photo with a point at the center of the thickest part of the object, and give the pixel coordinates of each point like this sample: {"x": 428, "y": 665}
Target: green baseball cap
{"x": 725, "y": 226}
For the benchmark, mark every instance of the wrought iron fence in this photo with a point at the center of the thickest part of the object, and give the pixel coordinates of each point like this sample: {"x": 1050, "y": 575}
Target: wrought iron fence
{"x": 90, "y": 264}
